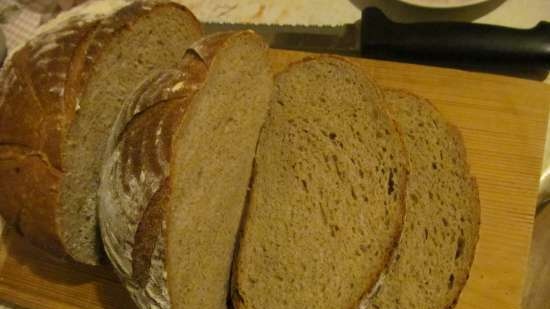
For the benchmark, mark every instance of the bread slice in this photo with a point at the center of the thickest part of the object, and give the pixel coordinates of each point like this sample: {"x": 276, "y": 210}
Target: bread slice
{"x": 174, "y": 187}
{"x": 327, "y": 200}
{"x": 441, "y": 229}
{"x": 60, "y": 95}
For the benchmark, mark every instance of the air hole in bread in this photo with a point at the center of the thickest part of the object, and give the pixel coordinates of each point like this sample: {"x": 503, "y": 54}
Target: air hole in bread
{"x": 334, "y": 229}
{"x": 353, "y": 195}
{"x": 459, "y": 247}
{"x": 451, "y": 281}
{"x": 390, "y": 183}
{"x": 304, "y": 184}
{"x": 414, "y": 198}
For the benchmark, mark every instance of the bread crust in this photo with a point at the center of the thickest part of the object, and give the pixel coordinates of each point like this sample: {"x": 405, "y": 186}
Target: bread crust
{"x": 42, "y": 83}
{"x": 23, "y": 171}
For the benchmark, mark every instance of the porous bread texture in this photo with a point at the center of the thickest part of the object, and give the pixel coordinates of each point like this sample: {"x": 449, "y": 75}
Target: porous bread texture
{"x": 327, "y": 200}
{"x": 174, "y": 187}
{"x": 432, "y": 262}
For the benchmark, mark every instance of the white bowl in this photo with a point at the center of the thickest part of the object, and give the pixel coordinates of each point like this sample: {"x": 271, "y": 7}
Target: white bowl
{"x": 443, "y": 4}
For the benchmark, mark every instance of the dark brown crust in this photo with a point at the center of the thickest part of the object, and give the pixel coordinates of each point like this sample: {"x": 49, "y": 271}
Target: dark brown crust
{"x": 42, "y": 72}
{"x": 37, "y": 107}
{"x": 150, "y": 225}
{"x": 23, "y": 171}
{"x": 138, "y": 142}
{"x": 476, "y": 203}
{"x": 234, "y": 289}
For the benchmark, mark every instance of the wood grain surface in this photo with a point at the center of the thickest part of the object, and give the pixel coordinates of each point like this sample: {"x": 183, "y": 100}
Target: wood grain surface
{"x": 503, "y": 121}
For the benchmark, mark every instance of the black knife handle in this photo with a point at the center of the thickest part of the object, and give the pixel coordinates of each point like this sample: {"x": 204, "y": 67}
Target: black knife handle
{"x": 454, "y": 42}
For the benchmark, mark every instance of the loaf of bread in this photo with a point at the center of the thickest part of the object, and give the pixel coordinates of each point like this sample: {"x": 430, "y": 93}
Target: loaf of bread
{"x": 432, "y": 262}
{"x": 327, "y": 199}
{"x": 60, "y": 94}
{"x": 180, "y": 157}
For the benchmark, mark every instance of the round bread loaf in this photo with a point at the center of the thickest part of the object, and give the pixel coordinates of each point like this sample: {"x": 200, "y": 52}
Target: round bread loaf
{"x": 59, "y": 96}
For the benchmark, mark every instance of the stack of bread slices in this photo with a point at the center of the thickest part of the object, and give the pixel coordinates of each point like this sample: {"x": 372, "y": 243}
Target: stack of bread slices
{"x": 210, "y": 183}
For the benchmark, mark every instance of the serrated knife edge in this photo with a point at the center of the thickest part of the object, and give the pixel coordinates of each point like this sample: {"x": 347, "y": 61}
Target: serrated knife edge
{"x": 342, "y": 39}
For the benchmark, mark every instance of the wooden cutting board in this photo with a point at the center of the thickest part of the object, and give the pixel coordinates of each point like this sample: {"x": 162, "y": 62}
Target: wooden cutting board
{"x": 503, "y": 121}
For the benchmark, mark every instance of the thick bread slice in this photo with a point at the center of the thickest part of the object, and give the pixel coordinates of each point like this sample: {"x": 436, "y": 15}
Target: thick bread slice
{"x": 60, "y": 94}
{"x": 173, "y": 189}
{"x": 441, "y": 229}
{"x": 327, "y": 200}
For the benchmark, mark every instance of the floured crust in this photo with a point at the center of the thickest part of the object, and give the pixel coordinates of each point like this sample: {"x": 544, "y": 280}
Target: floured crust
{"x": 41, "y": 84}
{"x": 135, "y": 184}
{"x": 133, "y": 194}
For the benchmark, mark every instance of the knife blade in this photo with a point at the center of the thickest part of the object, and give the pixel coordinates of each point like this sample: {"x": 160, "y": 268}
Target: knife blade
{"x": 447, "y": 43}
{"x": 334, "y": 39}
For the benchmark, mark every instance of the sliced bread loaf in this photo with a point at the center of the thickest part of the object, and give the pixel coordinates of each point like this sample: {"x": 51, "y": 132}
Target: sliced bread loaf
{"x": 441, "y": 228}
{"x": 174, "y": 186}
{"x": 327, "y": 199}
{"x": 60, "y": 94}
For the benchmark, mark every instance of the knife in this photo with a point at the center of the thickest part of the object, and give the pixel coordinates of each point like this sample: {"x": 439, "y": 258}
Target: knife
{"x": 441, "y": 43}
